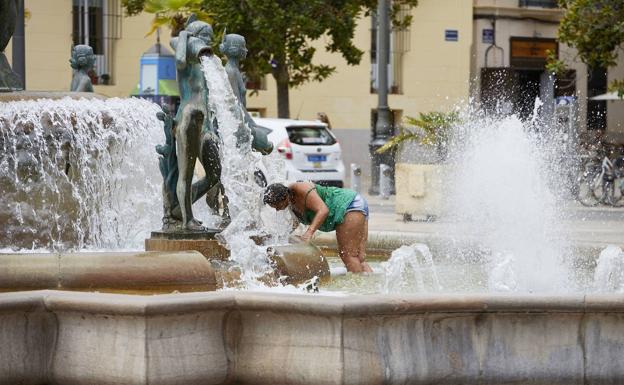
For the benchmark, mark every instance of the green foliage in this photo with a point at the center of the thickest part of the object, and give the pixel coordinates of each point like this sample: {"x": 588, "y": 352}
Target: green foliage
{"x": 279, "y": 33}
{"x": 170, "y": 13}
{"x": 553, "y": 64}
{"x": 596, "y": 29}
{"x": 133, "y": 7}
{"x": 617, "y": 86}
{"x": 430, "y": 129}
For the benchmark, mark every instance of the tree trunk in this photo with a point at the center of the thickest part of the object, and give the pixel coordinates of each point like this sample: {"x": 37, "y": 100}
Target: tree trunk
{"x": 283, "y": 102}
{"x": 280, "y": 73}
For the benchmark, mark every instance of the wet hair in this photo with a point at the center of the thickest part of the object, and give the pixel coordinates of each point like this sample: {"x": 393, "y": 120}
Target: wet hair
{"x": 275, "y": 193}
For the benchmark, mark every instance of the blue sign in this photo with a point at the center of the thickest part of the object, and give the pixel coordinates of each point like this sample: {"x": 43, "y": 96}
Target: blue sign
{"x": 451, "y": 35}
{"x": 487, "y": 36}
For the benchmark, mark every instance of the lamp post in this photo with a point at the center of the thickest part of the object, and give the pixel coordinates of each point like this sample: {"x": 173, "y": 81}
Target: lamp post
{"x": 382, "y": 127}
{"x": 19, "y": 39}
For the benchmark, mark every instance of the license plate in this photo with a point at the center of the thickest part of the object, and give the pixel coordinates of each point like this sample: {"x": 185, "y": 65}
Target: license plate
{"x": 317, "y": 158}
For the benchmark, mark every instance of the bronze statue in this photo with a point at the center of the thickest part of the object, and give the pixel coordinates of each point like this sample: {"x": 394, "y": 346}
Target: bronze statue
{"x": 194, "y": 131}
{"x": 82, "y": 62}
{"x": 234, "y": 48}
{"x": 9, "y": 80}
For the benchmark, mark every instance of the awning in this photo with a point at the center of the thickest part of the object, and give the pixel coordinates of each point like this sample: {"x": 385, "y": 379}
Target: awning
{"x": 608, "y": 96}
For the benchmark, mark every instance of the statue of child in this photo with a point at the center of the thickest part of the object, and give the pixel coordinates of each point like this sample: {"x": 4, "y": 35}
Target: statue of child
{"x": 234, "y": 48}
{"x": 82, "y": 62}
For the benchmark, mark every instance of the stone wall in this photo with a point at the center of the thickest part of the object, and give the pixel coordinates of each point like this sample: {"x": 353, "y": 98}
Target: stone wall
{"x": 261, "y": 338}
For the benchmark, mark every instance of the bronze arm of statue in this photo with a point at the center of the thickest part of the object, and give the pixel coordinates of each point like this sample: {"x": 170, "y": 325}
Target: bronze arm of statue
{"x": 234, "y": 48}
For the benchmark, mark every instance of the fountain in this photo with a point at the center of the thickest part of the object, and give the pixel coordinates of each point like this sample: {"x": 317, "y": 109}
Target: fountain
{"x": 78, "y": 177}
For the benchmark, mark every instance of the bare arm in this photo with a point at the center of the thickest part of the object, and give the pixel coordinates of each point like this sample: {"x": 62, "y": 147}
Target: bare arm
{"x": 179, "y": 44}
{"x": 313, "y": 203}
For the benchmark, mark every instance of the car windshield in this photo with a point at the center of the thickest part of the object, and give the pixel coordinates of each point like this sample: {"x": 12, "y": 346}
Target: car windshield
{"x": 310, "y": 135}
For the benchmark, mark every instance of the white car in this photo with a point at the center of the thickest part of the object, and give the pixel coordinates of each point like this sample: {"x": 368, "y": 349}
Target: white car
{"x": 310, "y": 149}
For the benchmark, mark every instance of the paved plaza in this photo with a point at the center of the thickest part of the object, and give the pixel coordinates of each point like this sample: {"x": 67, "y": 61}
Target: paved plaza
{"x": 591, "y": 226}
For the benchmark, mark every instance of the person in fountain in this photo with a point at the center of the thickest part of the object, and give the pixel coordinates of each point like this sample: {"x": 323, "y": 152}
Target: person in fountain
{"x": 82, "y": 62}
{"x": 327, "y": 209}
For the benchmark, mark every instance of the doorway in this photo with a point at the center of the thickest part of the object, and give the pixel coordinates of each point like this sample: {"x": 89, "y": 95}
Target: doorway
{"x": 526, "y": 89}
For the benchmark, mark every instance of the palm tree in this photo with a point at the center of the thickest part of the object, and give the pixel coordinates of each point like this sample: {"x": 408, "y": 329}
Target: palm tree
{"x": 430, "y": 129}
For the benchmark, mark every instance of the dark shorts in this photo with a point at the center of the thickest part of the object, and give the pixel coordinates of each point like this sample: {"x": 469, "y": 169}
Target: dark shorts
{"x": 359, "y": 204}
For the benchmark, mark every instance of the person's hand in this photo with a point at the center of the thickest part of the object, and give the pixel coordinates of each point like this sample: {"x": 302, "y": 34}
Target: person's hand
{"x": 307, "y": 236}
{"x": 295, "y": 239}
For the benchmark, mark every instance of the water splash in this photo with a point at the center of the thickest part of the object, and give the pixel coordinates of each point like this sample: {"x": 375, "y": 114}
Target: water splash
{"x": 502, "y": 276}
{"x": 501, "y": 194}
{"x": 238, "y": 163}
{"x": 78, "y": 174}
{"x": 609, "y": 273}
{"x": 408, "y": 265}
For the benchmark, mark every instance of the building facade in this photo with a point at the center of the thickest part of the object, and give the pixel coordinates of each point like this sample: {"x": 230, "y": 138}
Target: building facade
{"x": 429, "y": 70}
{"x": 54, "y": 26}
{"x": 454, "y": 52}
{"x": 510, "y": 40}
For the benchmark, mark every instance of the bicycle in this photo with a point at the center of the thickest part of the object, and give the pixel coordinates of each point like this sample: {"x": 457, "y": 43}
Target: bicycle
{"x": 601, "y": 181}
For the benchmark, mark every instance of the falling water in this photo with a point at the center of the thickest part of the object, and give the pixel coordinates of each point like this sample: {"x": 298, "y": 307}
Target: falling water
{"x": 78, "y": 173}
{"x": 609, "y": 273}
{"x": 408, "y": 265}
{"x": 503, "y": 192}
{"x": 238, "y": 163}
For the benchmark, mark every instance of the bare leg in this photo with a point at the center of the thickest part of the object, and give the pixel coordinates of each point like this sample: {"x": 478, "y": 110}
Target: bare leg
{"x": 362, "y": 255}
{"x": 350, "y": 235}
{"x": 209, "y": 157}
{"x": 187, "y": 143}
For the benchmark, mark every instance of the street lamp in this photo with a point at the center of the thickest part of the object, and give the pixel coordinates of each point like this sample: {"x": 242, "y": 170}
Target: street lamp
{"x": 382, "y": 127}
{"x": 19, "y": 39}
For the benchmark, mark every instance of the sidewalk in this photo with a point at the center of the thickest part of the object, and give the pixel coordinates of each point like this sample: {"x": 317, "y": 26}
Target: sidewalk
{"x": 597, "y": 226}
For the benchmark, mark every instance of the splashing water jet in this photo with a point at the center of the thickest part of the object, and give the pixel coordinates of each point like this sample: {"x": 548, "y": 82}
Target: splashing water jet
{"x": 501, "y": 195}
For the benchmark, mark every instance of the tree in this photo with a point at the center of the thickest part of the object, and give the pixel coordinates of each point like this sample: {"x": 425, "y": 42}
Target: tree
{"x": 429, "y": 129}
{"x": 596, "y": 29}
{"x": 279, "y": 34}
{"x": 170, "y": 13}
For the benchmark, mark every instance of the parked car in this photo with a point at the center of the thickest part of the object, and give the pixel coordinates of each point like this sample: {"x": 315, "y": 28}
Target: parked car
{"x": 311, "y": 150}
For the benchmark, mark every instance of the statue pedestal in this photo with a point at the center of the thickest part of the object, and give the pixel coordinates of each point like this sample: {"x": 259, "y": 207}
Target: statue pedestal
{"x": 204, "y": 242}
{"x": 298, "y": 262}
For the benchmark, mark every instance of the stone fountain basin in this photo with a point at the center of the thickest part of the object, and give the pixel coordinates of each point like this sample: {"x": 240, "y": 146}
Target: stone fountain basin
{"x": 147, "y": 272}
{"x": 154, "y": 272}
{"x": 36, "y": 95}
{"x": 273, "y": 338}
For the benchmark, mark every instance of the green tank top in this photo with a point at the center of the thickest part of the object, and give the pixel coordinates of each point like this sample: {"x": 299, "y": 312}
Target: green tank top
{"x": 337, "y": 200}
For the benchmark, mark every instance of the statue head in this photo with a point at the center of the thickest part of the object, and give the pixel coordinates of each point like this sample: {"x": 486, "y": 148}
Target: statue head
{"x": 82, "y": 57}
{"x": 200, "y": 30}
{"x": 234, "y": 45}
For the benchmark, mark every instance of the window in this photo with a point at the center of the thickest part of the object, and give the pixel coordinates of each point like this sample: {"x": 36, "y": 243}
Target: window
{"x": 596, "y": 109}
{"x": 538, "y": 3}
{"x": 310, "y": 136}
{"x": 97, "y": 23}
{"x": 565, "y": 84}
{"x": 399, "y": 44}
